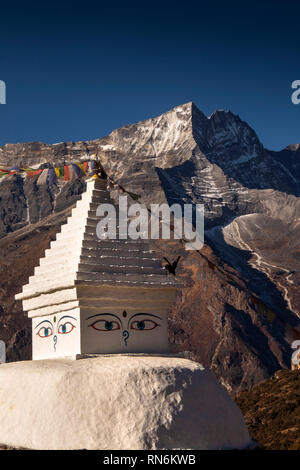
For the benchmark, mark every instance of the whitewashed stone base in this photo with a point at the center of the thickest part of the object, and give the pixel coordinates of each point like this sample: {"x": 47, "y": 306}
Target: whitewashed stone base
{"x": 117, "y": 402}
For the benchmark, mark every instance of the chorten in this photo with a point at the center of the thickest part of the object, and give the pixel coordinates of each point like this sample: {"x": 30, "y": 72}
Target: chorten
{"x": 95, "y": 296}
{"x": 92, "y": 297}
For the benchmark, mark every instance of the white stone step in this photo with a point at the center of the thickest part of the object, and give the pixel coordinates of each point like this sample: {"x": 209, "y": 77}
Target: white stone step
{"x": 34, "y": 289}
{"x": 120, "y": 269}
{"x": 131, "y": 245}
{"x": 71, "y": 243}
{"x": 90, "y": 257}
{"x": 88, "y": 226}
{"x": 51, "y": 273}
{"x": 70, "y": 231}
{"x": 64, "y": 282}
{"x": 83, "y": 208}
{"x": 60, "y": 253}
{"x": 97, "y": 185}
{"x": 61, "y": 296}
{"x": 88, "y": 234}
{"x": 67, "y": 242}
{"x": 52, "y": 276}
{"x": 118, "y": 251}
{"x": 99, "y": 264}
{"x": 108, "y": 259}
{"x": 88, "y": 219}
{"x": 51, "y": 309}
{"x": 92, "y": 206}
{"x": 70, "y": 263}
{"x": 104, "y": 276}
{"x": 121, "y": 281}
{"x": 91, "y": 214}
{"x": 101, "y": 197}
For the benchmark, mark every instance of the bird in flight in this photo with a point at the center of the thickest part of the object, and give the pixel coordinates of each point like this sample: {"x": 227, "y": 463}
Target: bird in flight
{"x": 171, "y": 267}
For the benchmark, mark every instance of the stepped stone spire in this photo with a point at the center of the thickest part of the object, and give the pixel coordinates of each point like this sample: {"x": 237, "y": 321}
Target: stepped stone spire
{"x": 90, "y": 295}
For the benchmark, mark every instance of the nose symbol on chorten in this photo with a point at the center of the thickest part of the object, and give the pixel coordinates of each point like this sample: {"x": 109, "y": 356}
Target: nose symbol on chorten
{"x": 55, "y": 341}
{"x": 125, "y": 335}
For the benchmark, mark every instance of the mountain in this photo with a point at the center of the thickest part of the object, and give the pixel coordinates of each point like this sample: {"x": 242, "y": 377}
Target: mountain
{"x": 251, "y": 256}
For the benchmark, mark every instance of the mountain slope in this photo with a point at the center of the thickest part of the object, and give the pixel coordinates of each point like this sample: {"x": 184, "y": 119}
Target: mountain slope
{"x": 272, "y": 411}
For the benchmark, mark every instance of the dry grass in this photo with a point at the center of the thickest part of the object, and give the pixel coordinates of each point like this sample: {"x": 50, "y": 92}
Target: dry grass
{"x": 272, "y": 411}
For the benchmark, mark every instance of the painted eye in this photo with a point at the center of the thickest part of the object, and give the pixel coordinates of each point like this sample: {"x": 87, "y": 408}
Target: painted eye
{"x": 143, "y": 325}
{"x": 65, "y": 328}
{"x": 105, "y": 325}
{"x": 45, "y": 332}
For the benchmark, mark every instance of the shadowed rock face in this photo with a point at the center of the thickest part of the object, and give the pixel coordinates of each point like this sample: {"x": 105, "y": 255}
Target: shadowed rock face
{"x": 272, "y": 411}
{"x": 251, "y": 199}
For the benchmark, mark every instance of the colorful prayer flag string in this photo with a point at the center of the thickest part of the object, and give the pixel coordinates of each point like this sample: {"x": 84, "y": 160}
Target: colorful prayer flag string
{"x": 50, "y": 175}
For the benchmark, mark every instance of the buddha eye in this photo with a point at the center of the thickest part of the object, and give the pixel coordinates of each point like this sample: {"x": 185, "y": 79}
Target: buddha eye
{"x": 105, "y": 325}
{"x": 144, "y": 325}
{"x": 65, "y": 328}
{"x": 45, "y": 332}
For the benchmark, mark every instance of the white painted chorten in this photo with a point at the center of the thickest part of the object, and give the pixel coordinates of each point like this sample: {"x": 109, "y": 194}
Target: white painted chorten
{"x": 93, "y": 296}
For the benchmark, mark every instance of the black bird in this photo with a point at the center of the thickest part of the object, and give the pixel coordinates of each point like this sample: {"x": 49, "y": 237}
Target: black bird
{"x": 172, "y": 267}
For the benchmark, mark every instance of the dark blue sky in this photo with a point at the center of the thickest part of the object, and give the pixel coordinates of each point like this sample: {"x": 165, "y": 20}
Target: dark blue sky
{"x": 76, "y": 71}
